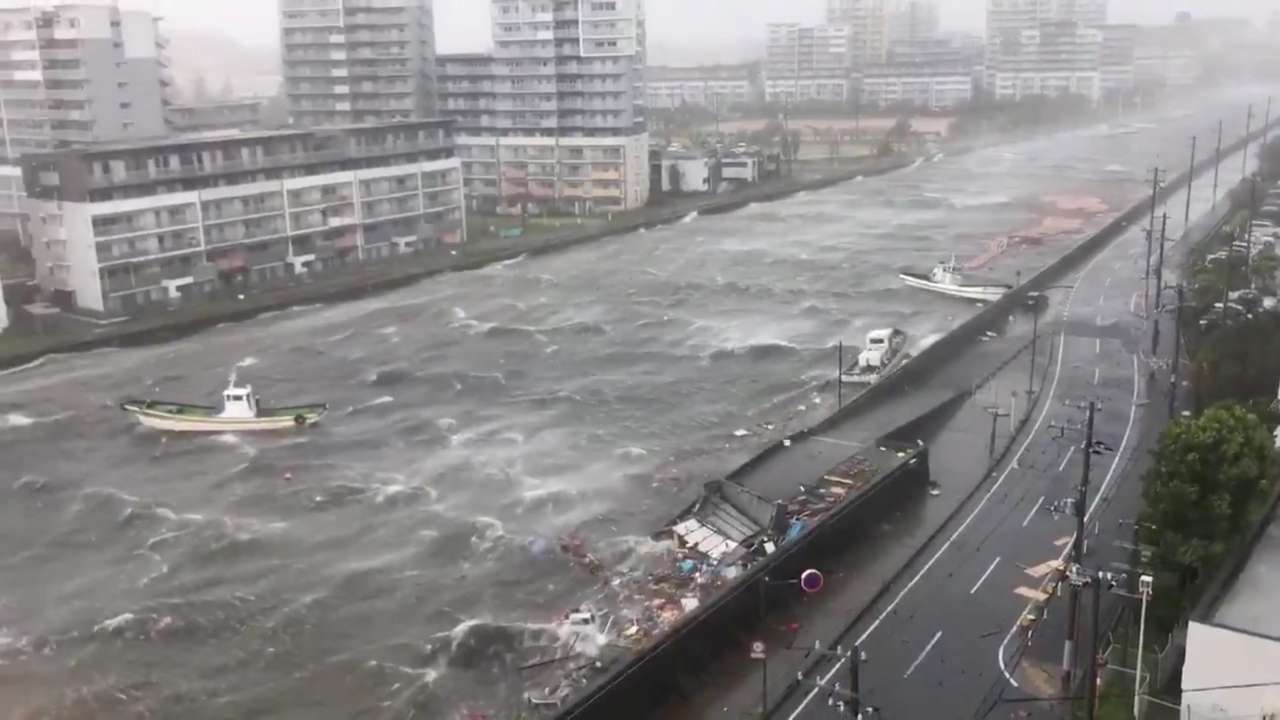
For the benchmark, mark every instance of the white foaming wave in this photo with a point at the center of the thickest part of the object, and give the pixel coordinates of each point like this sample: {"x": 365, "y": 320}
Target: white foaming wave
{"x": 373, "y": 403}
{"x": 340, "y": 336}
{"x": 247, "y": 362}
{"x": 19, "y": 368}
{"x": 18, "y": 420}
{"x": 447, "y": 424}
{"x": 164, "y": 567}
{"x": 508, "y": 263}
{"x": 631, "y": 453}
{"x": 980, "y": 201}
{"x": 388, "y": 330}
{"x": 234, "y": 441}
{"x": 472, "y": 327}
{"x": 1115, "y": 168}
{"x": 689, "y": 218}
{"x": 115, "y": 623}
{"x": 459, "y": 313}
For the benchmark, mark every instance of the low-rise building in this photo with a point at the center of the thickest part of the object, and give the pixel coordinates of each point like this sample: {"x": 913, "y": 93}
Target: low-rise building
{"x": 922, "y": 85}
{"x": 717, "y": 87}
{"x": 562, "y": 175}
{"x": 740, "y": 167}
{"x": 1167, "y": 56}
{"x": 684, "y": 172}
{"x": 229, "y": 115}
{"x": 1233, "y": 639}
{"x": 117, "y": 227}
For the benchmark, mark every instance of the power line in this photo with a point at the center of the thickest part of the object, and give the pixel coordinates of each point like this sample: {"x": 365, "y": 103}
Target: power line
{"x": 1274, "y": 683}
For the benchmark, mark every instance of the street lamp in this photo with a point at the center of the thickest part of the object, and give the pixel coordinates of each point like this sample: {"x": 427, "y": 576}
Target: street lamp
{"x": 1145, "y": 583}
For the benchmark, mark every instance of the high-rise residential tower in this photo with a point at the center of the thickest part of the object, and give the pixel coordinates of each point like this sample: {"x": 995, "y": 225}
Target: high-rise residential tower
{"x": 358, "y": 61}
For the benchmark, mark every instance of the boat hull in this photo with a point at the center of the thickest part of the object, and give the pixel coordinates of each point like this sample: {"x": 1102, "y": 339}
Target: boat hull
{"x": 983, "y": 293}
{"x": 150, "y": 415}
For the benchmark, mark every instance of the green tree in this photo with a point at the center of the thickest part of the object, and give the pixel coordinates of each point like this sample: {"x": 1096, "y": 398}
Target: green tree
{"x": 1269, "y": 160}
{"x": 1208, "y": 477}
{"x": 1239, "y": 362}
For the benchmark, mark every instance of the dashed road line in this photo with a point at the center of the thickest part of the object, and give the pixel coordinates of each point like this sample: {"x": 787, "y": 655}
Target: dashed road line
{"x": 984, "y": 576}
{"x": 926, "y": 650}
{"x": 1033, "y": 511}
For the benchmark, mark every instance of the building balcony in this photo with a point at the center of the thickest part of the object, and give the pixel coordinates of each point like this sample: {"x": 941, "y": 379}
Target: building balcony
{"x": 268, "y": 162}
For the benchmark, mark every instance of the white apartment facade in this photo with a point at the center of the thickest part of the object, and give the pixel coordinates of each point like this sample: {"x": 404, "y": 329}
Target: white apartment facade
{"x": 867, "y": 22}
{"x": 358, "y": 61}
{"x": 116, "y": 229}
{"x": 569, "y": 175}
{"x": 554, "y": 120}
{"x": 807, "y": 62}
{"x": 927, "y": 87}
{"x": 75, "y": 73}
{"x": 13, "y": 216}
{"x": 717, "y": 87}
{"x": 1057, "y": 58}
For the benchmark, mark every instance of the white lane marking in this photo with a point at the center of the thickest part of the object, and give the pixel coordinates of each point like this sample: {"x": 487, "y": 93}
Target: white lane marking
{"x": 927, "y": 648}
{"x": 1108, "y": 282}
{"x": 1053, "y": 387}
{"x": 838, "y": 442}
{"x": 1095, "y": 375}
{"x": 1133, "y": 410}
{"x": 1063, "y": 466}
{"x": 1033, "y": 511}
{"x": 985, "y": 574}
{"x": 1098, "y": 346}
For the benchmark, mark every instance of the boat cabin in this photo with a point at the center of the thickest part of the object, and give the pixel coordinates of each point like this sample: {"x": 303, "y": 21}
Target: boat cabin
{"x": 239, "y": 402}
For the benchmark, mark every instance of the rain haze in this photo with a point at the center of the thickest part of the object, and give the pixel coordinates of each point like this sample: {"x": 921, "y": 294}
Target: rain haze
{"x": 680, "y": 32}
{"x": 636, "y": 359}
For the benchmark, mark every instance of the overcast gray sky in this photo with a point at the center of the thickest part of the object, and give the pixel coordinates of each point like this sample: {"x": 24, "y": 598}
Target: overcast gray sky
{"x": 679, "y": 30}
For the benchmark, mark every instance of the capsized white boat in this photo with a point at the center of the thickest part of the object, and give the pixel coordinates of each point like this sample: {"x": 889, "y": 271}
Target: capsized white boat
{"x": 948, "y": 278}
{"x": 239, "y": 412}
{"x": 885, "y": 352}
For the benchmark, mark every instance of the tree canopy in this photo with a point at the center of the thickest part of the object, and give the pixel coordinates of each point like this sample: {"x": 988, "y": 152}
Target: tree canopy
{"x": 1208, "y": 476}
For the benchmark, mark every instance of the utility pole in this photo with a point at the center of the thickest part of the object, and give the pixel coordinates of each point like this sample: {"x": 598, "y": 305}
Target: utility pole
{"x": 1155, "y": 335}
{"x": 996, "y": 414}
{"x": 855, "y": 687}
{"x": 1248, "y": 128}
{"x": 1077, "y": 548}
{"x": 1226, "y": 284}
{"x": 1217, "y": 160}
{"x": 1248, "y": 232}
{"x": 1191, "y": 176}
{"x": 840, "y": 375}
{"x": 1266, "y": 124}
{"x": 1093, "y": 650}
{"x": 1035, "y": 335}
{"x": 1177, "y": 353}
{"x": 1151, "y": 225}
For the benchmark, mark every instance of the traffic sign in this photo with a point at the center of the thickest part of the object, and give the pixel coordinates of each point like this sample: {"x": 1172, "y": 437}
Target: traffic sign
{"x": 757, "y": 650}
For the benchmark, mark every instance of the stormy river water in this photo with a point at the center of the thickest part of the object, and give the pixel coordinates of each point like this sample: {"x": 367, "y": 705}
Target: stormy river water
{"x": 390, "y": 562}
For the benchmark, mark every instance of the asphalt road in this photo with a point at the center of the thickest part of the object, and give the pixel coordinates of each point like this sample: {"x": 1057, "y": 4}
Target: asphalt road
{"x": 946, "y": 638}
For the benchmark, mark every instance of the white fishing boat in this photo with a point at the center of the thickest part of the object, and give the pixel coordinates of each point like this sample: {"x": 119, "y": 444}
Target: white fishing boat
{"x": 948, "y": 278}
{"x": 885, "y": 352}
{"x": 239, "y": 412}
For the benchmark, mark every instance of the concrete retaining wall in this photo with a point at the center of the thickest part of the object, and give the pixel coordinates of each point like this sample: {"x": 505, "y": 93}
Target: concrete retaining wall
{"x": 645, "y": 680}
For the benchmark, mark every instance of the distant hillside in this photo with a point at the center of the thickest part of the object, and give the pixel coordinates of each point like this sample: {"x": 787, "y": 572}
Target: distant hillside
{"x": 218, "y": 58}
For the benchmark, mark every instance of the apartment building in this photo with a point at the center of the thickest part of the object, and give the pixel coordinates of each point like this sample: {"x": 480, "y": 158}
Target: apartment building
{"x": 73, "y": 73}
{"x": 911, "y": 21}
{"x": 118, "y": 227}
{"x": 922, "y": 85}
{"x": 807, "y": 62}
{"x": 1119, "y": 55}
{"x": 569, "y": 67}
{"x": 568, "y": 175}
{"x": 867, "y": 22}
{"x": 358, "y": 61}
{"x": 1057, "y": 58}
{"x": 13, "y": 216}
{"x": 206, "y": 117}
{"x": 1007, "y": 19}
{"x": 717, "y": 87}
{"x": 554, "y": 120}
